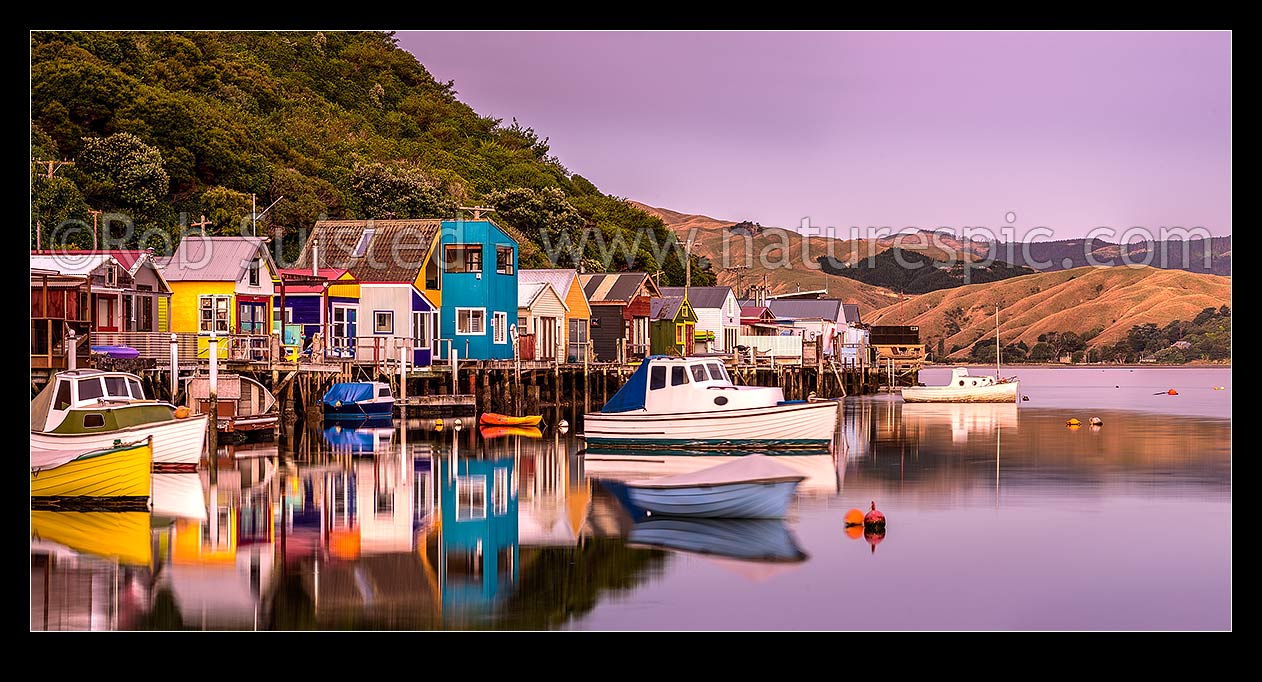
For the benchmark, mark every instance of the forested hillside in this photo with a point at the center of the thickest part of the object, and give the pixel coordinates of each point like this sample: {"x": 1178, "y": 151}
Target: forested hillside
{"x": 165, "y": 127}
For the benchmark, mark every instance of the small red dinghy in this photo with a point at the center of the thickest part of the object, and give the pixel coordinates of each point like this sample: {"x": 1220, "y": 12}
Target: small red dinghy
{"x": 493, "y": 419}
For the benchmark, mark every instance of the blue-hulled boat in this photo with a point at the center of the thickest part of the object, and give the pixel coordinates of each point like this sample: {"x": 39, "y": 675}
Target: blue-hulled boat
{"x": 754, "y": 486}
{"x": 357, "y": 400}
{"x": 692, "y": 403}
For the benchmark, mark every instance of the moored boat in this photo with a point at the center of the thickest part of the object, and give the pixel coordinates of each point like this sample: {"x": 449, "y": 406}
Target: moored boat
{"x": 969, "y": 388}
{"x": 243, "y": 404}
{"x": 692, "y": 403}
{"x": 490, "y": 432}
{"x": 118, "y": 475}
{"x": 359, "y": 399}
{"x": 752, "y": 487}
{"x": 494, "y": 419}
{"x": 965, "y": 388}
{"x": 88, "y": 409}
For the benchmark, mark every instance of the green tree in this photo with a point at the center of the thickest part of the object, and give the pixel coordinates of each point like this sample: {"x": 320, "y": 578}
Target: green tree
{"x": 399, "y": 191}
{"x": 121, "y": 171}
{"x": 1042, "y": 352}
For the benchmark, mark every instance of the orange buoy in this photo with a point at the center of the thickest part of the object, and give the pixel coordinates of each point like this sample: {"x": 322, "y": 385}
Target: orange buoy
{"x": 181, "y": 412}
{"x": 854, "y": 532}
{"x": 1172, "y": 392}
{"x": 854, "y": 517}
{"x": 1072, "y": 422}
{"x": 874, "y": 520}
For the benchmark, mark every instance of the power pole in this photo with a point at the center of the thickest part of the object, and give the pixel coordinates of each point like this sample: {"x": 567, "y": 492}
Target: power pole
{"x": 477, "y": 210}
{"x": 94, "y": 234}
{"x": 53, "y": 166}
{"x": 201, "y": 224}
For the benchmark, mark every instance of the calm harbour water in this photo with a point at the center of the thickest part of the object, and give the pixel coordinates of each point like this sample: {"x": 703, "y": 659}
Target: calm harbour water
{"x": 1000, "y": 517}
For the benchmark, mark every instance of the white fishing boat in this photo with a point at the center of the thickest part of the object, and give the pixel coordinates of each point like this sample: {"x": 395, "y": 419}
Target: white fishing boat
{"x": 751, "y": 487}
{"x": 965, "y": 388}
{"x": 89, "y": 409}
{"x": 969, "y": 388}
{"x": 692, "y": 403}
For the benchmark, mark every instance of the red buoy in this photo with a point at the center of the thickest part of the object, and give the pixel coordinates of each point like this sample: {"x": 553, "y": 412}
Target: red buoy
{"x": 874, "y": 519}
{"x": 874, "y": 537}
{"x": 1172, "y": 392}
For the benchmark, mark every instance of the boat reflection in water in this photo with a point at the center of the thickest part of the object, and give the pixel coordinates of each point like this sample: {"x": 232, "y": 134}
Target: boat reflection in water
{"x": 756, "y": 548}
{"x": 360, "y": 436}
{"x": 90, "y": 570}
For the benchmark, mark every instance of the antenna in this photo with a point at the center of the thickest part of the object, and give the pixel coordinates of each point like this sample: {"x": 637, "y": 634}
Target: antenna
{"x": 254, "y": 217}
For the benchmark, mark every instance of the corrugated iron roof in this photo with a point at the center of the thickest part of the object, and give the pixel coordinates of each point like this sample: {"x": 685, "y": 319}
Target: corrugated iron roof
{"x": 71, "y": 263}
{"x": 396, "y": 251}
{"x": 560, "y": 278}
{"x": 851, "y": 312}
{"x": 806, "y": 309}
{"x": 665, "y": 308}
{"x": 617, "y": 287}
{"x": 701, "y": 297}
{"x": 528, "y": 293}
{"x": 214, "y": 259}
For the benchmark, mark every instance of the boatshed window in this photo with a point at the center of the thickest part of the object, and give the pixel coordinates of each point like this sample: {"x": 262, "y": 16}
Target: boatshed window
{"x": 657, "y": 378}
{"x": 678, "y": 376}
{"x": 504, "y": 260}
{"x": 383, "y": 322}
{"x": 90, "y": 388}
{"x": 463, "y": 257}
{"x": 698, "y": 372}
{"x": 213, "y": 311}
{"x": 116, "y": 387}
{"x": 716, "y": 371}
{"x": 470, "y": 321}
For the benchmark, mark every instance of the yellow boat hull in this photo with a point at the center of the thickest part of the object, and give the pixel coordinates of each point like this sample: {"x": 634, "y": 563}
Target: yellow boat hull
{"x": 122, "y": 472}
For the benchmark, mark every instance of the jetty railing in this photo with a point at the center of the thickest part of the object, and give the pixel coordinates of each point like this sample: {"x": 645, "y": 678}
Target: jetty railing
{"x": 152, "y": 345}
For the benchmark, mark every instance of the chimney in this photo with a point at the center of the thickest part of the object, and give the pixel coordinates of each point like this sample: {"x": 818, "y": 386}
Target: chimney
{"x": 315, "y": 256}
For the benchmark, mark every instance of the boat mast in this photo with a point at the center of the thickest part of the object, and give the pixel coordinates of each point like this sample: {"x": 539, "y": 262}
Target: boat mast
{"x": 998, "y": 350}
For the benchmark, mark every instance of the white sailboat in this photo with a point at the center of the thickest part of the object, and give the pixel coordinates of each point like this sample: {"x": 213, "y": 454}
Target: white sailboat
{"x": 968, "y": 388}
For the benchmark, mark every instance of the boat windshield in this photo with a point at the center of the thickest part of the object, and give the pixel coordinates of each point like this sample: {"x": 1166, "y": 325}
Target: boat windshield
{"x": 89, "y": 389}
{"x": 716, "y": 371}
{"x": 136, "y": 391}
{"x": 698, "y": 372}
{"x": 383, "y": 392}
{"x": 678, "y": 375}
{"x": 116, "y": 387}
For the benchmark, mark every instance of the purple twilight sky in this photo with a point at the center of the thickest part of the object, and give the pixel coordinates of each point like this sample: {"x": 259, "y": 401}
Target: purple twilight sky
{"x": 928, "y": 129}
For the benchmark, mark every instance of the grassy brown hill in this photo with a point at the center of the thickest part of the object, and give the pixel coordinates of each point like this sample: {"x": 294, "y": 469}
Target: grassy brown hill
{"x": 775, "y": 253}
{"x": 1079, "y": 300}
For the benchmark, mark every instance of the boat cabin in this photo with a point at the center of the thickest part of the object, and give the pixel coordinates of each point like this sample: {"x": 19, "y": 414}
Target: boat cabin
{"x": 666, "y": 385}
{"x": 79, "y": 389}
{"x": 960, "y": 378}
